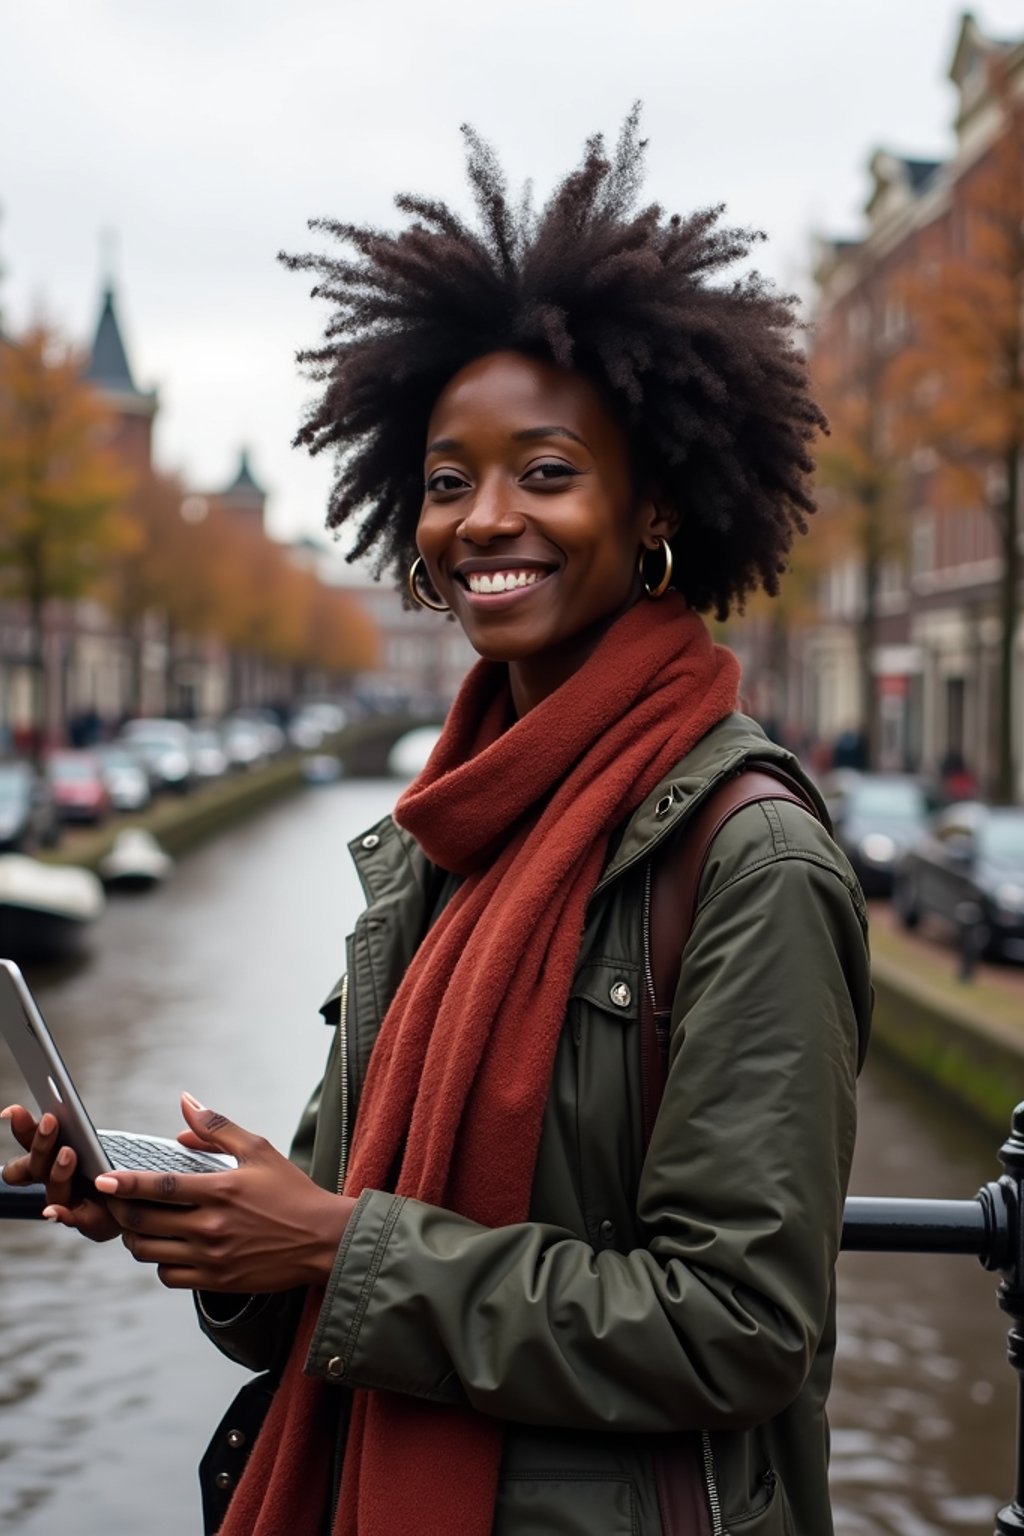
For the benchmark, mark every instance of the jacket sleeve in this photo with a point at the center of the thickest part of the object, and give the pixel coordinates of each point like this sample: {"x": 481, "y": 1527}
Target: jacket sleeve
{"x": 255, "y": 1331}
{"x": 714, "y": 1322}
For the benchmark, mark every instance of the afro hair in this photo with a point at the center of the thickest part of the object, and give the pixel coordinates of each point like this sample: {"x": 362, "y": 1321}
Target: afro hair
{"x": 705, "y": 375}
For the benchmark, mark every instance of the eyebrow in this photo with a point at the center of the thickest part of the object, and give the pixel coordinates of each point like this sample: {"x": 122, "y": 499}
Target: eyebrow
{"x": 527, "y": 435}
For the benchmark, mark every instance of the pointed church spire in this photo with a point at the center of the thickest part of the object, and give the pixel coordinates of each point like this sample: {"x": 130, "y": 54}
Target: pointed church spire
{"x": 108, "y": 361}
{"x": 245, "y": 482}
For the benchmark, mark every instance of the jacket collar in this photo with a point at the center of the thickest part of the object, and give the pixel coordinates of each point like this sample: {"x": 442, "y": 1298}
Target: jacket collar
{"x": 386, "y": 856}
{"x": 724, "y": 751}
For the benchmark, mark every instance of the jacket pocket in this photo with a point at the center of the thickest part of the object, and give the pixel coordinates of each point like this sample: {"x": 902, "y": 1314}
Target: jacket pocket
{"x": 566, "y": 1504}
{"x": 772, "y": 1518}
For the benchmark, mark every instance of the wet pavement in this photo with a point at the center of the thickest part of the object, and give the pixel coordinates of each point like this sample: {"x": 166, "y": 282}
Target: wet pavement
{"x": 108, "y": 1393}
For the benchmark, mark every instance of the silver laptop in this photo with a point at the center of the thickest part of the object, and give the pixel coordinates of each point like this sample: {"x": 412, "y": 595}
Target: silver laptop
{"x": 33, "y": 1048}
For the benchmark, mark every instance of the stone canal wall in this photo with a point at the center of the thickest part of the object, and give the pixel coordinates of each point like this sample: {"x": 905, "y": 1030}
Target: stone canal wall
{"x": 965, "y": 1037}
{"x": 181, "y": 822}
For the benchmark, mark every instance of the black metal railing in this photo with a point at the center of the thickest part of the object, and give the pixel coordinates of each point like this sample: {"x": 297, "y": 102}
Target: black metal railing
{"x": 989, "y": 1227}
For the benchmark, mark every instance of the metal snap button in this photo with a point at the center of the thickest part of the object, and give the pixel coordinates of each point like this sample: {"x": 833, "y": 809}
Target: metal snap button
{"x": 334, "y": 1366}
{"x": 370, "y": 840}
{"x": 620, "y": 994}
{"x": 224, "y": 1480}
{"x": 236, "y": 1439}
{"x": 663, "y": 806}
{"x": 606, "y": 1232}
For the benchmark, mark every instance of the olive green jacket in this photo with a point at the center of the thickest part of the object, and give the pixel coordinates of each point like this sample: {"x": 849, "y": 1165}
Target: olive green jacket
{"x": 688, "y": 1288}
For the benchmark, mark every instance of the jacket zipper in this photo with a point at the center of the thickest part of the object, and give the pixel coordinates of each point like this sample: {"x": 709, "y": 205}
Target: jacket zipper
{"x": 714, "y": 1504}
{"x": 343, "y": 1057}
{"x": 648, "y": 972}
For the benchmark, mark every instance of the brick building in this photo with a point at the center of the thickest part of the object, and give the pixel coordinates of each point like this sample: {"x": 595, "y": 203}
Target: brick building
{"x": 931, "y": 652}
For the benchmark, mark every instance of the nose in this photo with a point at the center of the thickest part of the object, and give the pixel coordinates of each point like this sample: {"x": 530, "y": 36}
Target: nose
{"x": 492, "y": 514}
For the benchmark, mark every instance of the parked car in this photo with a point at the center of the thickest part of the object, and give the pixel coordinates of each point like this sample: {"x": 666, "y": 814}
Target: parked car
{"x": 875, "y": 817}
{"x": 208, "y": 755}
{"x": 244, "y": 743}
{"x": 125, "y": 774}
{"x": 968, "y": 865}
{"x": 266, "y": 723}
{"x": 166, "y": 748}
{"x": 28, "y": 816}
{"x": 312, "y": 723}
{"x": 76, "y": 782}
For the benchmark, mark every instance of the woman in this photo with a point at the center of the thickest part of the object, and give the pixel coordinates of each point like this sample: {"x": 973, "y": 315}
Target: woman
{"x": 500, "y": 1306}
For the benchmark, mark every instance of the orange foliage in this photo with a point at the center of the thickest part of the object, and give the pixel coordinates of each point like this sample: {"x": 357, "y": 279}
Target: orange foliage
{"x": 61, "y": 490}
{"x": 962, "y": 376}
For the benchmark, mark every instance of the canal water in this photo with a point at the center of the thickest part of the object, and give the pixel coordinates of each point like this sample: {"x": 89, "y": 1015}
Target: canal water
{"x": 107, "y": 1391}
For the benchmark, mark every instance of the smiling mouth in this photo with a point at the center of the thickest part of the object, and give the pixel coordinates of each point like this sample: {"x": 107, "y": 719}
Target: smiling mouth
{"x": 486, "y": 583}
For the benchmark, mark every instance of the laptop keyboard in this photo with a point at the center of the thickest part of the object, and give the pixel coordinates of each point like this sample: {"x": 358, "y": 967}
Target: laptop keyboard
{"x": 152, "y": 1156}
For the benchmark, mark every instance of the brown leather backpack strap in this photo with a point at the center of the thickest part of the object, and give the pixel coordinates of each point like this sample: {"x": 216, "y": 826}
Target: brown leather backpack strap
{"x": 675, "y": 883}
{"x": 676, "y": 878}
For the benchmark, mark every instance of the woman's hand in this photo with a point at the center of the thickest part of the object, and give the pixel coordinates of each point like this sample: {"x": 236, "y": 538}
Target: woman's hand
{"x": 51, "y": 1164}
{"x": 263, "y": 1226}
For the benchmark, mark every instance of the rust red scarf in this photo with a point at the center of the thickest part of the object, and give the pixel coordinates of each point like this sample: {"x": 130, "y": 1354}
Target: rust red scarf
{"x": 459, "y": 1076}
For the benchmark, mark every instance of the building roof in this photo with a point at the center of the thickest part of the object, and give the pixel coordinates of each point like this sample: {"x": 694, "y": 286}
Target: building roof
{"x": 245, "y": 482}
{"x": 108, "y": 361}
{"x": 897, "y": 182}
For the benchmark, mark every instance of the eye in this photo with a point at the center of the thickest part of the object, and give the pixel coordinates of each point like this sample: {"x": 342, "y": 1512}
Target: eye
{"x": 550, "y": 470}
{"x": 445, "y": 481}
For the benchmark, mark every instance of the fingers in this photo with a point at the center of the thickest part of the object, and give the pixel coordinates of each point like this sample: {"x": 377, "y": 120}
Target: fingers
{"x": 41, "y": 1142}
{"x": 58, "y": 1185}
{"x": 172, "y": 1221}
{"x": 89, "y": 1217}
{"x": 195, "y": 1143}
{"x": 158, "y": 1188}
{"x": 22, "y": 1123}
{"x": 218, "y": 1132}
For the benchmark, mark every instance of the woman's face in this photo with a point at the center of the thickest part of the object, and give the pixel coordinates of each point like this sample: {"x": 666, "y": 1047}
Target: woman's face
{"x": 531, "y": 528}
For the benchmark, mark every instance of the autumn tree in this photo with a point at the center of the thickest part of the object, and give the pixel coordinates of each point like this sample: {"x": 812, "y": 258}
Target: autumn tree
{"x": 61, "y": 491}
{"x": 276, "y": 614}
{"x": 339, "y": 636}
{"x": 156, "y": 571}
{"x": 964, "y": 374}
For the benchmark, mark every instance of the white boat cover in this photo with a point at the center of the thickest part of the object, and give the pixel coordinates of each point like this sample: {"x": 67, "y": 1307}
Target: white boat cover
{"x": 136, "y": 854}
{"x": 62, "y": 889}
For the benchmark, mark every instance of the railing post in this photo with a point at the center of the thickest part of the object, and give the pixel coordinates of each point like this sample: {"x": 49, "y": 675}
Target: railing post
{"x": 1011, "y": 1299}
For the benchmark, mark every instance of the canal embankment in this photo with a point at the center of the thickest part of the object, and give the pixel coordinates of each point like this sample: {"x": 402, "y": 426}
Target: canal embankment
{"x": 966, "y": 1037}
{"x": 181, "y": 822}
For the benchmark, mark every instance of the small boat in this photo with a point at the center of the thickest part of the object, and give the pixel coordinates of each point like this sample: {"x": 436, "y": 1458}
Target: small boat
{"x": 45, "y": 909}
{"x": 136, "y": 861}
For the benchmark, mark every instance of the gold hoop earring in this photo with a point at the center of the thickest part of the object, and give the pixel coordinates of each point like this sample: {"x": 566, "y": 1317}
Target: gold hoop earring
{"x": 416, "y": 592}
{"x": 661, "y": 587}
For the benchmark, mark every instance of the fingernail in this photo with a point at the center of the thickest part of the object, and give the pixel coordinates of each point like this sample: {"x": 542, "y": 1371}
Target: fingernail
{"x": 7, "y": 1114}
{"x": 193, "y": 1101}
{"x": 106, "y": 1184}
{"x": 64, "y": 1156}
{"x": 50, "y": 1213}
{"x": 48, "y": 1124}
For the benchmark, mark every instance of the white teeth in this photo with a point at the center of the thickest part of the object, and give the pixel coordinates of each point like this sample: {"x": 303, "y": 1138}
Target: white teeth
{"x": 501, "y": 581}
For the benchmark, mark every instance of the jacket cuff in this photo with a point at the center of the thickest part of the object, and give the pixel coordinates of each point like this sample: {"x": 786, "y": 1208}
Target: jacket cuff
{"x": 360, "y": 1255}
{"x": 367, "y": 1318}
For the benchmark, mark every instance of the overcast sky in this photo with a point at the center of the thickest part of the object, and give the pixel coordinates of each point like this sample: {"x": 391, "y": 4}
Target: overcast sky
{"x": 205, "y": 132}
